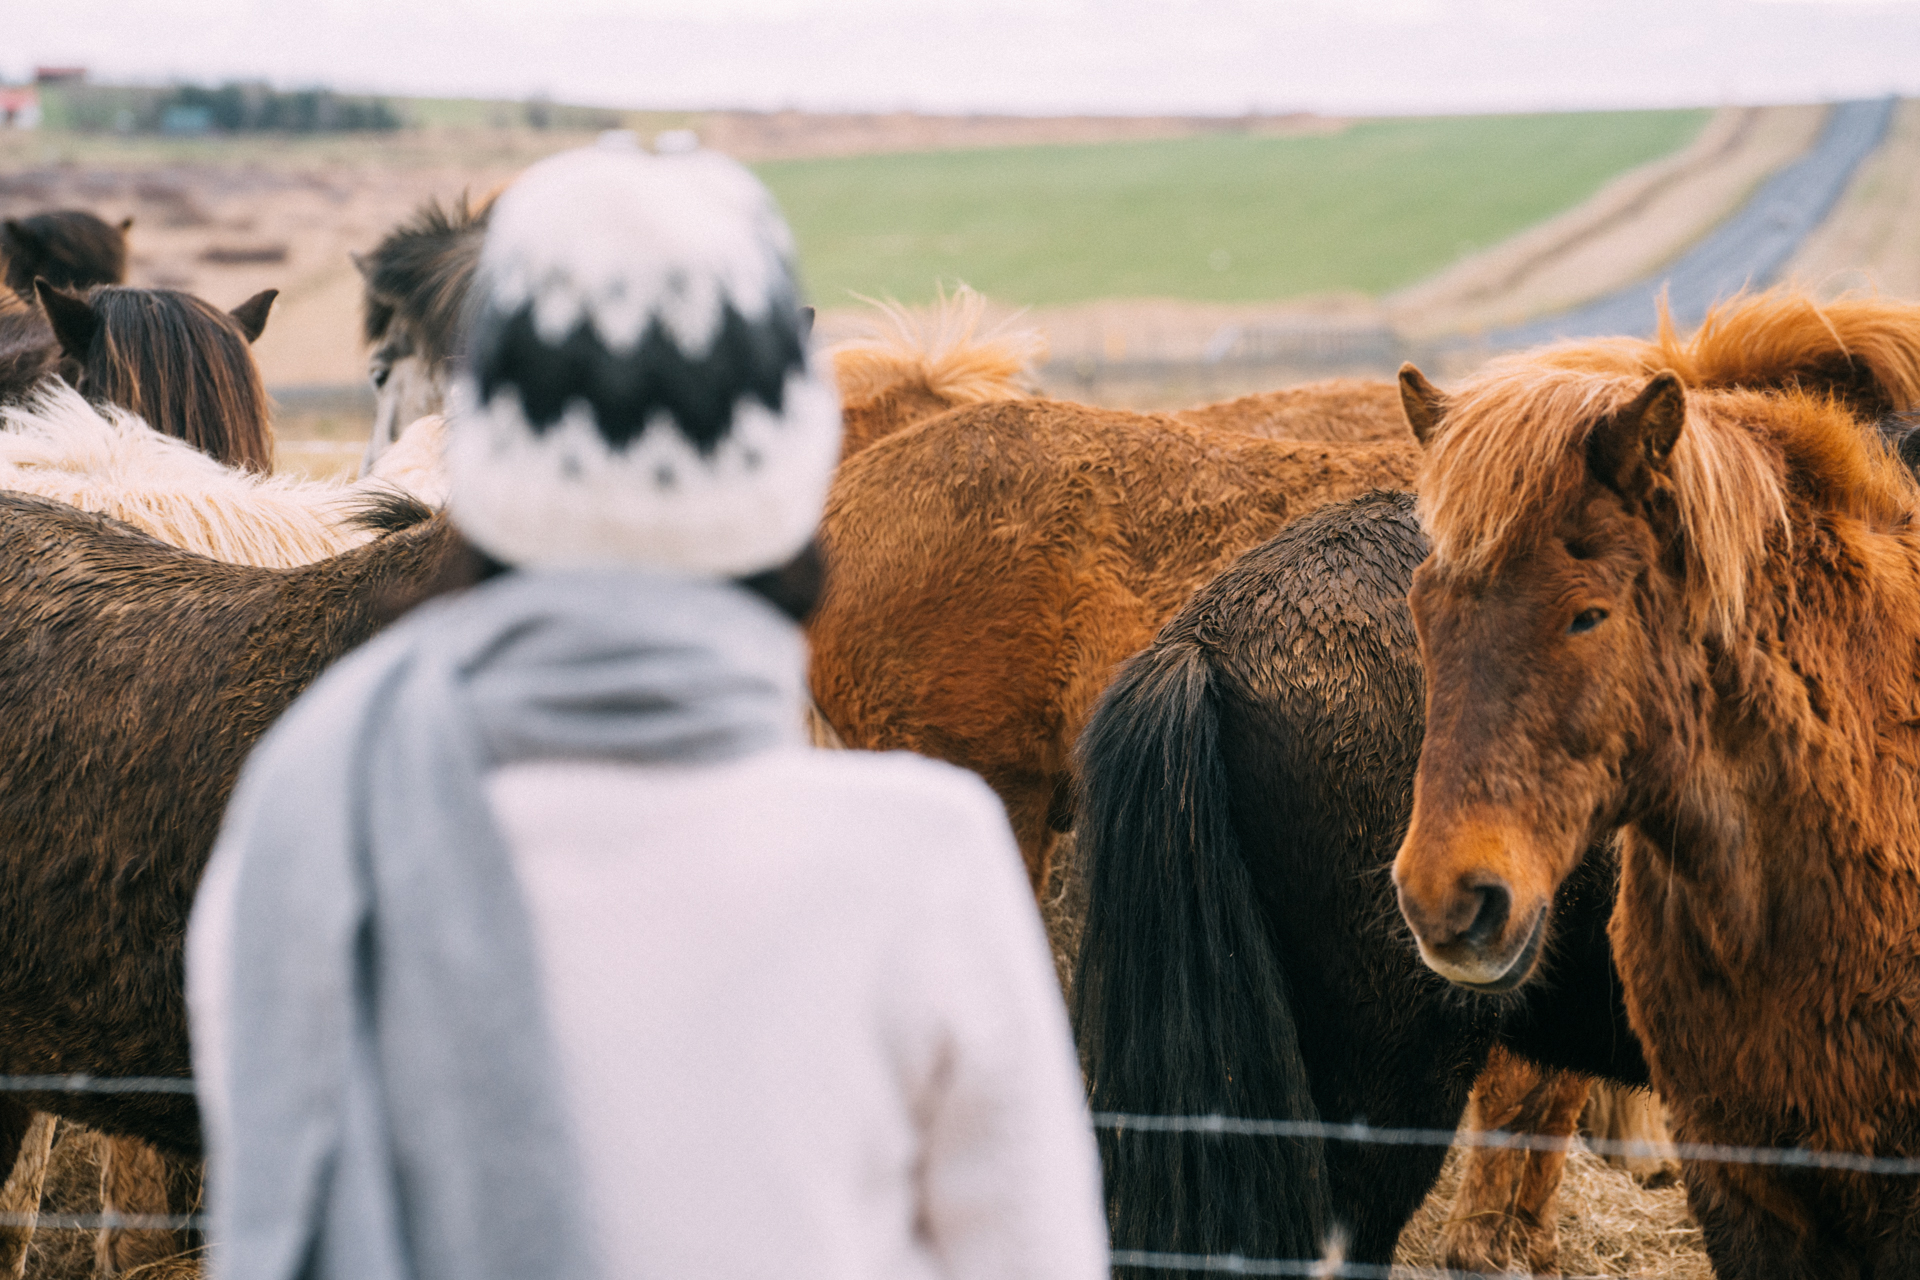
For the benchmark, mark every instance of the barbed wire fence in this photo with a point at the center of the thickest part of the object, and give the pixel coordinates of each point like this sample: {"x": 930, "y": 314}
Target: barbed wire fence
{"x": 1121, "y": 1123}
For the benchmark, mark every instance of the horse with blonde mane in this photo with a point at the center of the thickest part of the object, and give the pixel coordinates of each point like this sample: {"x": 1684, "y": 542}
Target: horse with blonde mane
{"x": 916, "y": 364}
{"x": 101, "y": 458}
{"x": 1677, "y": 607}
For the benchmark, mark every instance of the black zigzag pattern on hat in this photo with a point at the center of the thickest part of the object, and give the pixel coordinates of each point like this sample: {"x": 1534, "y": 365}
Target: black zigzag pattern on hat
{"x": 625, "y": 390}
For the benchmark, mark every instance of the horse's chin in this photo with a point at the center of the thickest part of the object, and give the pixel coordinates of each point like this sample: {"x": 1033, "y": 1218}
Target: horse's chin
{"x": 1494, "y": 974}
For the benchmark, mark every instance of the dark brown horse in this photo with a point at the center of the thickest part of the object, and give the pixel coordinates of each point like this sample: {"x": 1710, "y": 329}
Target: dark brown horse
{"x": 174, "y": 359}
{"x": 1247, "y": 780}
{"x": 68, "y": 248}
{"x": 1692, "y": 617}
{"x": 166, "y": 666}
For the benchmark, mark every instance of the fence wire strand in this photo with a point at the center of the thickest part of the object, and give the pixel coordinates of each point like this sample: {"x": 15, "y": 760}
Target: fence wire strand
{"x": 1500, "y": 1139}
{"x": 1234, "y": 1264}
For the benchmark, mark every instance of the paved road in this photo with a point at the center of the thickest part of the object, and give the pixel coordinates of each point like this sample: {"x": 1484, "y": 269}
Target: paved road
{"x": 1747, "y": 249}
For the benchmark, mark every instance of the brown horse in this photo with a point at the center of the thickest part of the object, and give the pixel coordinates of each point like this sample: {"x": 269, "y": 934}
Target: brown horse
{"x": 148, "y": 672}
{"x": 175, "y": 360}
{"x": 68, "y": 248}
{"x": 993, "y": 565}
{"x": 1691, "y": 616}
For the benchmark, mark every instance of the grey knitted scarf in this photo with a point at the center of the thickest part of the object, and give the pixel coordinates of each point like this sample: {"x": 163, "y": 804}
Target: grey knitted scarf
{"x": 392, "y": 1107}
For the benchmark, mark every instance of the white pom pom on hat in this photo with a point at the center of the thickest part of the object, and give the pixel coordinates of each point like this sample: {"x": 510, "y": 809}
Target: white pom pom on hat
{"x": 637, "y": 389}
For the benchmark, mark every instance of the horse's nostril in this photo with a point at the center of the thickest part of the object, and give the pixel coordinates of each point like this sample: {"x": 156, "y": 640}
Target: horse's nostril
{"x": 1490, "y": 917}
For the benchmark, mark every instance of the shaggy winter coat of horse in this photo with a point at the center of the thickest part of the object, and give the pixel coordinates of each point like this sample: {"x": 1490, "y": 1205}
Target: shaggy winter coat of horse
{"x": 166, "y": 666}
{"x": 1689, "y": 616}
{"x": 993, "y": 565}
{"x": 1247, "y": 779}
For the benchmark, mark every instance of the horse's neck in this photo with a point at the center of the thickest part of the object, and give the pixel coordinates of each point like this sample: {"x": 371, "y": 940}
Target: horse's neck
{"x": 1802, "y": 779}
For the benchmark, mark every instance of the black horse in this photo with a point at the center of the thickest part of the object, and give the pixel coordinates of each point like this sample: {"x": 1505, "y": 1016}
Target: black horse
{"x": 1246, "y": 783}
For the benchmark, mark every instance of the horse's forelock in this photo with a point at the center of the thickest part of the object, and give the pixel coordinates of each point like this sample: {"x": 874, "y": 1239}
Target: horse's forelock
{"x": 419, "y": 274}
{"x": 1511, "y": 459}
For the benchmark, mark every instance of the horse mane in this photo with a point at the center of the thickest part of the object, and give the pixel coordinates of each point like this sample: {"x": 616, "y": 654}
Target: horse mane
{"x": 421, "y": 271}
{"x": 185, "y": 367}
{"x": 1862, "y": 350}
{"x": 916, "y": 363}
{"x": 1510, "y": 459}
{"x": 106, "y": 460}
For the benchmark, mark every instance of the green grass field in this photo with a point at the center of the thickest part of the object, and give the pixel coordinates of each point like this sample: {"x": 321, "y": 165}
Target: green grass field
{"x": 1226, "y": 218}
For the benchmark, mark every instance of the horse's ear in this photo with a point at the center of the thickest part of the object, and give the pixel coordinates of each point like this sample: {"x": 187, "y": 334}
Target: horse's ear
{"x": 72, "y": 318}
{"x": 1627, "y": 449}
{"x": 251, "y": 315}
{"x": 360, "y": 264}
{"x": 806, "y": 322}
{"x": 18, "y": 238}
{"x": 1424, "y": 403}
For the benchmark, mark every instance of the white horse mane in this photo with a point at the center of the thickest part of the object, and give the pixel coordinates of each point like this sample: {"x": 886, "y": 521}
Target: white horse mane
{"x": 100, "y": 458}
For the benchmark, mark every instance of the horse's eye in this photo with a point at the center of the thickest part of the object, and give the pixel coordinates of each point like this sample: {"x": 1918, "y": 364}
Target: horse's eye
{"x": 1586, "y": 620}
{"x": 380, "y": 373}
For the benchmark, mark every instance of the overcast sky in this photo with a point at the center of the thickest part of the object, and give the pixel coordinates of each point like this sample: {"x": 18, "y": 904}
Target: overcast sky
{"x": 1213, "y": 56}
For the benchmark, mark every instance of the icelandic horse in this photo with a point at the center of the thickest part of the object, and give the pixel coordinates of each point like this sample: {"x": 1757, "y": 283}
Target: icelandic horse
{"x": 54, "y": 444}
{"x": 1683, "y": 615}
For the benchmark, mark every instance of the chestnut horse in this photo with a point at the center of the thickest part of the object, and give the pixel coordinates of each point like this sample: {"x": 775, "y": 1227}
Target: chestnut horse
{"x": 992, "y": 566}
{"x": 1689, "y": 619}
{"x": 1246, "y": 781}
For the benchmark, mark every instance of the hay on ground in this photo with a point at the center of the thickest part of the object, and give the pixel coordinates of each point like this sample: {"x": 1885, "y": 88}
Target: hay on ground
{"x": 1610, "y": 1225}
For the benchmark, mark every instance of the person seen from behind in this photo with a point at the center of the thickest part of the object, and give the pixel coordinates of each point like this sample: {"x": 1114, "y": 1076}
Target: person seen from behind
{"x": 537, "y": 943}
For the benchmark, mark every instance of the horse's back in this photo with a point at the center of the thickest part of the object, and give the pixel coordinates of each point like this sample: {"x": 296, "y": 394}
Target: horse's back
{"x": 134, "y": 679}
{"x": 1349, "y": 409}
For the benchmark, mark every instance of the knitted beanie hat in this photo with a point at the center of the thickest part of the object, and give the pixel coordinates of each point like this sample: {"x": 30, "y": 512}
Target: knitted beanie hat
{"x": 636, "y": 389}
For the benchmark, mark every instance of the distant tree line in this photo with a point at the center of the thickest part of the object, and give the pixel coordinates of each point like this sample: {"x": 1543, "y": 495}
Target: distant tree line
{"x": 238, "y": 107}
{"x": 242, "y": 108}
{"x": 256, "y": 107}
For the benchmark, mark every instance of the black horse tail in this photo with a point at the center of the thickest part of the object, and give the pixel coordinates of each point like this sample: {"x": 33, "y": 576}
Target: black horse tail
{"x": 1180, "y": 1006}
